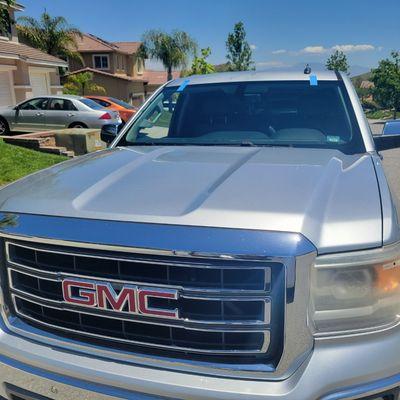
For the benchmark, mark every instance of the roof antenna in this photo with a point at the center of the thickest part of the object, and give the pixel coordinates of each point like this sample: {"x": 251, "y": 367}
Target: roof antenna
{"x": 307, "y": 69}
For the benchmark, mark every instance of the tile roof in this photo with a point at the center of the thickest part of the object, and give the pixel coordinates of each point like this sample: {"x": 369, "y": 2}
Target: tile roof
{"x": 91, "y": 43}
{"x": 15, "y": 6}
{"x": 96, "y": 71}
{"x": 28, "y": 53}
{"x": 128, "y": 47}
{"x": 158, "y": 77}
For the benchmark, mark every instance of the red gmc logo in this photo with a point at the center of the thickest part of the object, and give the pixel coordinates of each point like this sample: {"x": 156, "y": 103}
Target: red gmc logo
{"x": 131, "y": 299}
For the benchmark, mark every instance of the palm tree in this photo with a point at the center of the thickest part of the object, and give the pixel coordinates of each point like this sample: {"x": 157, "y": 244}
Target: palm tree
{"x": 53, "y": 35}
{"x": 82, "y": 84}
{"x": 173, "y": 49}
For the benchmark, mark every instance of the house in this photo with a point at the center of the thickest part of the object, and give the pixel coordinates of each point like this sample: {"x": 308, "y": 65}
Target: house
{"x": 25, "y": 72}
{"x": 367, "y": 84}
{"x": 117, "y": 67}
{"x": 155, "y": 79}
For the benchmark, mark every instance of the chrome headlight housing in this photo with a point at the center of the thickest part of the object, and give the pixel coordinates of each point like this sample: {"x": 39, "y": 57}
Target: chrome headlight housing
{"x": 356, "y": 291}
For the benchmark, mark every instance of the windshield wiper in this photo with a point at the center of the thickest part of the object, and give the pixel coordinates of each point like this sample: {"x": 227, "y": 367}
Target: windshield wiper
{"x": 247, "y": 143}
{"x": 252, "y": 144}
{"x": 157, "y": 144}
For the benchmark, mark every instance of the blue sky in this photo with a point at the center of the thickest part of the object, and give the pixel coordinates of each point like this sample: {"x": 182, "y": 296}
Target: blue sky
{"x": 283, "y": 33}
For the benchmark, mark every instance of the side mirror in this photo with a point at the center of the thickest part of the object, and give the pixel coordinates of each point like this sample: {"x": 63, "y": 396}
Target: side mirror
{"x": 386, "y": 142}
{"x": 390, "y": 138}
{"x": 108, "y": 133}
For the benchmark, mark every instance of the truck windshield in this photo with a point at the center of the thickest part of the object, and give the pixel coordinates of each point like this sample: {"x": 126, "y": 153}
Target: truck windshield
{"x": 284, "y": 113}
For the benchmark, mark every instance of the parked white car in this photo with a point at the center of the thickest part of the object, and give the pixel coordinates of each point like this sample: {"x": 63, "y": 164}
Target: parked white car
{"x": 55, "y": 112}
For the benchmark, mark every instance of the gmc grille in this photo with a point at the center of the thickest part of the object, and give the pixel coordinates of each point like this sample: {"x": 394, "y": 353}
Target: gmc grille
{"x": 228, "y": 308}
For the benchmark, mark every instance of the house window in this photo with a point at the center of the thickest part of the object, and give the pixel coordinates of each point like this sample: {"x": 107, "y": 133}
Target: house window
{"x": 101, "y": 61}
{"x": 140, "y": 66}
{"x": 120, "y": 62}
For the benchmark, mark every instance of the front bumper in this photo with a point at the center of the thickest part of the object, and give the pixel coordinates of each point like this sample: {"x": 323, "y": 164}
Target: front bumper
{"x": 342, "y": 368}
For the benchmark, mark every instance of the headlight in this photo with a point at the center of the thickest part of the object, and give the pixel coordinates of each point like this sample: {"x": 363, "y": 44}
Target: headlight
{"x": 356, "y": 291}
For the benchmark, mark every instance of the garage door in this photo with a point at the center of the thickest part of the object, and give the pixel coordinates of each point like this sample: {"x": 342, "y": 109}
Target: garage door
{"x": 39, "y": 83}
{"x": 6, "y": 98}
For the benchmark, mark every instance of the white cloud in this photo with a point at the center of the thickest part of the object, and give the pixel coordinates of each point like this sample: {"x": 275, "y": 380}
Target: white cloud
{"x": 346, "y": 48}
{"x": 314, "y": 50}
{"x": 253, "y": 46}
{"x": 279, "y": 51}
{"x": 350, "y": 48}
{"x": 271, "y": 64}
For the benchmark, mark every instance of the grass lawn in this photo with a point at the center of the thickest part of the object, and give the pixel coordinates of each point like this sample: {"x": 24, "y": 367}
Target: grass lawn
{"x": 16, "y": 162}
{"x": 379, "y": 114}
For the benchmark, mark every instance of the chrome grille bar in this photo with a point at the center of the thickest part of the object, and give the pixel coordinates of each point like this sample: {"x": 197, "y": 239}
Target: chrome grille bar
{"x": 257, "y": 324}
{"x": 253, "y": 265}
{"x": 262, "y": 348}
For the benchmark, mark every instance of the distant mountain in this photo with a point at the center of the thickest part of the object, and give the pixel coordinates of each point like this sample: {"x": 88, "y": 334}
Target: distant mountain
{"x": 357, "y": 70}
{"x": 362, "y": 77}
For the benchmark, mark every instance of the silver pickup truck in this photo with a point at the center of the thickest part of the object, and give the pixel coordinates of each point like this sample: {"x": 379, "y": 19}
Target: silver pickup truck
{"x": 237, "y": 240}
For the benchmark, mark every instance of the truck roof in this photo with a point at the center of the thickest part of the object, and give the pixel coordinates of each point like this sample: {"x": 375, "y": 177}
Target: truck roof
{"x": 246, "y": 76}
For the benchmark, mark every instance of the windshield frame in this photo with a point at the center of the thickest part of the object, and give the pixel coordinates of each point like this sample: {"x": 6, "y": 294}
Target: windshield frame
{"x": 346, "y": 91}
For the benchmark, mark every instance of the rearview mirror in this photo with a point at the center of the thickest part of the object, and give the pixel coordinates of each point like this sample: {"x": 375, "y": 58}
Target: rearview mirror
{"x": 145, "y": 124}
{"x": 108, "y": 133}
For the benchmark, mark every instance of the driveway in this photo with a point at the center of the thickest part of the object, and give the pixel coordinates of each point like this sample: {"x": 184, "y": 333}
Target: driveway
{"x": 391, "y": 160}
{"x": 391, "y": 165}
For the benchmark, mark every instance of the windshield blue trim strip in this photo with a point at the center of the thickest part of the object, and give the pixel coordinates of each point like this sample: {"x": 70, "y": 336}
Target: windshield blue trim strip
{"x": 183, "y": 85}
{"x": 313, "y": 80}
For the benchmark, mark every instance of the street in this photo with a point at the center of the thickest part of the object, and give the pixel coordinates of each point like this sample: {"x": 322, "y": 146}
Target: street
{"x": 391, "y": 160}
{"x": 391, "y": 164}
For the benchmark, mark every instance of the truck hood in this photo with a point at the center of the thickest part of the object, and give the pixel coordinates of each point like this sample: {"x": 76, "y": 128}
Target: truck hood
{"x": 331, "y": 198}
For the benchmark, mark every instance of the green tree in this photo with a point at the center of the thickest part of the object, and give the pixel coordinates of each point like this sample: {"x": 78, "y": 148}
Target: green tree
{"x": 386, "y": 79}
{"x": 173, "y": 50}
{"x": 338, "y": 62}
{"x": 239, "y": 52}
{"x": 5, "y": 19}
{"x": 82, "y": 84}
{"x": 363, "y": 92}
{"x": 53, "y": 35}
{"x": 200, "y": 65}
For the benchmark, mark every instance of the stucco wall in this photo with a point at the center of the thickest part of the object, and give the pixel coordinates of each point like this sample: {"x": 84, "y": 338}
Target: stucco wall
{"x": 21, "y": 74}
{"x": 119, "y": 88}
{"x": 131, "y": 64}
{"x": 21, "y": 79}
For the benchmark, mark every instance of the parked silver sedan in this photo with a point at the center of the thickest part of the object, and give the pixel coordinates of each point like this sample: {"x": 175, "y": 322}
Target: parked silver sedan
{"x": 56, "y": 112}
